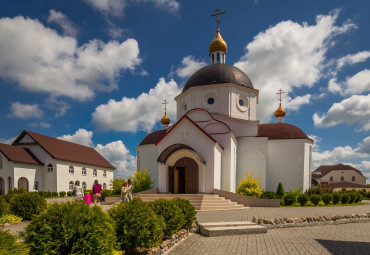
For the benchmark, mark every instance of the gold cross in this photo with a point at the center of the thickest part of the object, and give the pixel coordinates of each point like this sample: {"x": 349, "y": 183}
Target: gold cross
{"x": 218, "y": 13}
{"x": 280, "y": 93}
{"x": 165, "y": 102}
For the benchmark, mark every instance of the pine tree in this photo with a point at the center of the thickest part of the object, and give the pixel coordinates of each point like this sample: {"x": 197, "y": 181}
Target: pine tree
{"x": 280, "y": 190}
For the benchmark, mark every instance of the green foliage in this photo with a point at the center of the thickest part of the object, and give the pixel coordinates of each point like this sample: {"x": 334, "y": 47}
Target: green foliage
{"x": 353, "y": 197}
{"x": 12, "y": 192}
{"x": 315, "y": 199}
{"x": 4, "y": 206}
{"x": 137, "y": 225}
{"x": 9, "y": 244}
{"x": 116, "y": 185}
{"x": 368, "y": 195}
{"x": 327, "y": 198}
{"x": 250, "y": 186}
{"x": 171, "y": 213}
{"x": 345, "y": 198}
{"x": 187, "y": 209}
{"x": 142, "y": 181}
{"x": 337, "y": 197}
{"x": 62, "y": 194}
{"x": 71, "y": 228}
{"x": 289, "y": 198}
{"x": 69, "y": 193}
{"x": 359, "y": 197}
{"x": 54, "y": 194}
{"x": 27, "y": 205}
{"x": 10, "y": 218}
{"x": 280, "y": 190}
{"x": 316, "y": 190}
{"x": 303, "y": 199}
{"x": 105, "y": 193}
{"x": 268, "y": 195}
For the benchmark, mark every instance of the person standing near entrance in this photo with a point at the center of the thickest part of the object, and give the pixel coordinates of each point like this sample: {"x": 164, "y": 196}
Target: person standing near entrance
{"x": 130, "y": 188}
{"x": 78, "y": 192}
{"x": 96, "y": 192}
{"x": 125, "y": 192}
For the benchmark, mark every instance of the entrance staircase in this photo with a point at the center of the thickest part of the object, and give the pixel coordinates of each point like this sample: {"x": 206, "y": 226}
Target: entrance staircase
{"x": 201, "y": 202}
{"x": 230, "y": 228}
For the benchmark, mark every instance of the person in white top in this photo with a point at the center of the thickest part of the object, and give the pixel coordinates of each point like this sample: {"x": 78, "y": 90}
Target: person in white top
{"x": 78, "y": 192}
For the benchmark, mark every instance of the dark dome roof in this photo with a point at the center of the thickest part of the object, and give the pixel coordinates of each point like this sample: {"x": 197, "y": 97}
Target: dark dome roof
{"x": 218, "y": 73}
{"x": 281, "y": 131}
{"x": 153, "y": 137}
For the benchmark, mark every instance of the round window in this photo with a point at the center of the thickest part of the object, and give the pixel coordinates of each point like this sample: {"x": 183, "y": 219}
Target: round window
{"x": 241, "y": 102}
{"x": 210, "y": 100}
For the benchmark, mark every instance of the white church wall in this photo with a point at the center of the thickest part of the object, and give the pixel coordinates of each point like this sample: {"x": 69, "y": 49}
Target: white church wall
{"x": 246, "y": 110}
{"x": 240, "y": 127}
{"x": 307, "y": 166}
{"x": 216, "y": 172}
{"x": 147, "y": 156}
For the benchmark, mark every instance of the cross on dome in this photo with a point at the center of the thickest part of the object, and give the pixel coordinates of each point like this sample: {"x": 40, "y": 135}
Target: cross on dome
{"x": 280, "y": 112}
{"x": 218, "y": 47}
{"x": 165, "y": 120}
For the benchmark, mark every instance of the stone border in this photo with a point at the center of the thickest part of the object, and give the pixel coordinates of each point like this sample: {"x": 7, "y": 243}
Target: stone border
{"x": 311, "y": 221}
{"x": 246, "y": 200}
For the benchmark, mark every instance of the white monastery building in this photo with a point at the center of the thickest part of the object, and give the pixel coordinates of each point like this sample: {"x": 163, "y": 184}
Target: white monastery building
{"x": 38, "y": 162}
{"x": 218, "y": 138}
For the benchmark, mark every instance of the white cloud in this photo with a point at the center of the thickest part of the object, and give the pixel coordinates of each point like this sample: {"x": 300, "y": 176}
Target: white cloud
{"x": 356, "y": 84}
{"x": 141, "y": 113}
{"x": 8, "y": 141}
{"x": 25, "y": 111}
{"x": 364, "y": 147}
{"x": 60, "y": 107}
{"x": 353, "y": 59}
{"x": 355, "y": 109}
{"x": 297, "y": 102}
{"x": 189, "y": 65}
{"x": 38, "y": 59}
{"x": 40, "y": 124}
{"x": 119, "y": 156}
{"x": 287, "y": 56}
{"x": 81, "y": 136}
{"x": 63, "y": 21}
{"x": 316, "y": 140}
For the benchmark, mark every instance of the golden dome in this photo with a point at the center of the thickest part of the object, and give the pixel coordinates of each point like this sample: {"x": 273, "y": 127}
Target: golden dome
{"x": 280, "y": 112}
{"x": 218, "y": 44}
{"x": 165, "y": 120}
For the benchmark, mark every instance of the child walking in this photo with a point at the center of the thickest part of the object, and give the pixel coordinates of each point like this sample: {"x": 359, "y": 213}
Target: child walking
{"x": 125, "y": 192}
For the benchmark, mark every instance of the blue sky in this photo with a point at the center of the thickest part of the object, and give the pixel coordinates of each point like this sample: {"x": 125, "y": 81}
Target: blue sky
{"x": 96, "y": 71}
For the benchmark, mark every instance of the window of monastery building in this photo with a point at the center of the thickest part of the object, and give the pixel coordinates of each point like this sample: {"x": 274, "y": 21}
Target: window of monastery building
{"x": 83, "y": 171}
{"x": 71, "y": 170}
{"x": 71, "y": 185}
{"x": 105, "y": 174}
{"x": 353, "y": 178}
{"x": 95, "y": 173}
{"x": 104, "y": 186}
{"x": 50, "y": 168}
{"x": 342, "y": 178}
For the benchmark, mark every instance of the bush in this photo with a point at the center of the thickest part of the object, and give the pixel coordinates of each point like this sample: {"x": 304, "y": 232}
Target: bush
{"x": 368, "y": 195}
{"x": 27, "y": 205}
{"x": 62, "y": 194}
{"x": 268, "y": 195}
{"x": 337, "y": 197}
{"x": 359, "y": 198}
{"x": 303, "y": 199}
{"x": 315, "y": 199}
{"x": 289, "y": 198}
{"x": 69, "y": 193}
{"x": 345, "y": 198}
{"x": 9, "y": 244}
{"x": 137, "y": 225}
{"x": 54, "y": 194}
{"x": 171, "y": 213}
{"x": 353, "y": 197}
{"x": 316, "y": 190}
{"x": 187, "y": 209}
{"x": 250, "y": 186}
{"x": 4, "y": 206}
{"x": 71, "y": 228}
{"x": 142, "y": 181}
{"x": 327, "y": 198}
{"x": 42, "y": 193}
{"x": 105, "y": 193}
{"x": 12, "y": 192}
{"x": 280, "y": 190}
{"x": 116, "y": 185}
{"x": 10, "y": 218}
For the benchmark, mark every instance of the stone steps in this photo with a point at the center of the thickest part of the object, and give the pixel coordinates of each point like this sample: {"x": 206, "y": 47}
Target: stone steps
{"x": 230, "y": 228}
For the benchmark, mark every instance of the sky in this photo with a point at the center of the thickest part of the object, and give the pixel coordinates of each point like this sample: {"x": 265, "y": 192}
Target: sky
{"x": 96, "y": 72}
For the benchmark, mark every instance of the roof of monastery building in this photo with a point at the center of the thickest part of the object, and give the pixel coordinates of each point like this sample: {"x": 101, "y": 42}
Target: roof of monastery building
{"x": 348, "y": 185}
{"x": 280, "y": 131}
{"x": 217, "y": 74}
{"x": 63, "y": 150}
{"x": 153, "y": 137}
{"x": 18, "y": 154}
{"x": 325, "y": 169}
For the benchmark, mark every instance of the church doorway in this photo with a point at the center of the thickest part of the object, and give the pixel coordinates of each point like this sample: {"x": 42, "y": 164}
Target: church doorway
{"x": 23, "y": 183}
{"x": 2, "y": 186}
{"x": 183, "y": 177}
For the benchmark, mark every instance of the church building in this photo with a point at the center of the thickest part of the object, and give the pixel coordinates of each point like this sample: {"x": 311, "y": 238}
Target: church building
{"x": 218, "y": 138}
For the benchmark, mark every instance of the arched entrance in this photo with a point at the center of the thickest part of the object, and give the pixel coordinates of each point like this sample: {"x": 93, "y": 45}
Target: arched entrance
{"x": 183, "y": 177}
{"x": 23, "y": 183}
{"x": 2, "y": 186}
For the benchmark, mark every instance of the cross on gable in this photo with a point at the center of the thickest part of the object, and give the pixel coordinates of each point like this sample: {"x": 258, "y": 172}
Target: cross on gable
{"x": 218, "y": 13}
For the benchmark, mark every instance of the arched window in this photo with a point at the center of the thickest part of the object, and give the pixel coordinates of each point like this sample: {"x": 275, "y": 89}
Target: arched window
{"x": 353, "y": 178}
{"x": 50, "y": 168}
{"x": 71, "y": 170}
{"x": 10, "y": 183}
{"x": 84, "y": 185}
{"x": 342, "y": 178}
{"x": 105, "y": 174}
{"x": 104, "y": 186}
{"x": 331, "y": 178}
{"x": 71, "y": 185}
{"x": 1, "y": 162}
{"x": 95, "y": 173}
{"x": 36, "y": 185}
{"x": 83, "y": 171}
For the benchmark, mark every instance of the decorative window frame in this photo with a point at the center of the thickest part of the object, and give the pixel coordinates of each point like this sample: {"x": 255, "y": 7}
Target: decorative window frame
{"x": 95, "y": 173}
{"x": 71, "y": 170}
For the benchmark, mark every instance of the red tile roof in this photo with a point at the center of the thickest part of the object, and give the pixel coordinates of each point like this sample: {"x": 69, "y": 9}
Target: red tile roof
{"x": 18, "y": 154}
{"x": 280, "y": 131}
{"x": 325, "y": 169}
{"x": 348, "y": 185}
{"x": 153, "y": 137}
{"x": 68, "y": 151}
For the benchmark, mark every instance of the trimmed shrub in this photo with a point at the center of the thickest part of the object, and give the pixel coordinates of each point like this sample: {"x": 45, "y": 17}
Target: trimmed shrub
{"x": 27, "y": 205}
{"x": 327, "y": 198}
{"x": 345, "y": 198}
{"x": 250, "y": 186}
{"x": 368, "y": 195}
{"x": 69, "y": 193}
{"x": 62, "y": 194}
{"x": 289, "y": 198}
{"x": 42, "y": 193}
{"x": 71, "y": 228}
{"x": 303, "y": 199}
{"x": 280, "y": 190}
{"x": 105, "y": 193}
{"x": 268, "y": 195}
{"x": 187, "y": 209}
{"x": 4, "y": 206}
{"x": 337, "y": 197}
{"x": 353, "y": 197}
{"x": 142, "y": 181}
{"x": 9, "y": 244}
{"x": 171, "y": 213}
{"x": 316, "y": 190}
{"x": 315, "y": 199}
{"x": 54, "y": 194}
{"x": 359, "y": 198}
{"x": 12, "y": 192}
{"x": 137, "y": 225}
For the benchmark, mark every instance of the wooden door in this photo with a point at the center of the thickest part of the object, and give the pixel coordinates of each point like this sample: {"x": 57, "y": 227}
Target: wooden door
{"x": 191, "y": 177}
{"x": 171, "y": 180}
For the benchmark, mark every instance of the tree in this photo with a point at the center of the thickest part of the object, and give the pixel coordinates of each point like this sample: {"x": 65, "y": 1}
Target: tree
{"x": 250, "y": 186}
{"x": 280, "y": 190}
{"x": 142, "y": 181}
{"x": 116, "y": 185}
